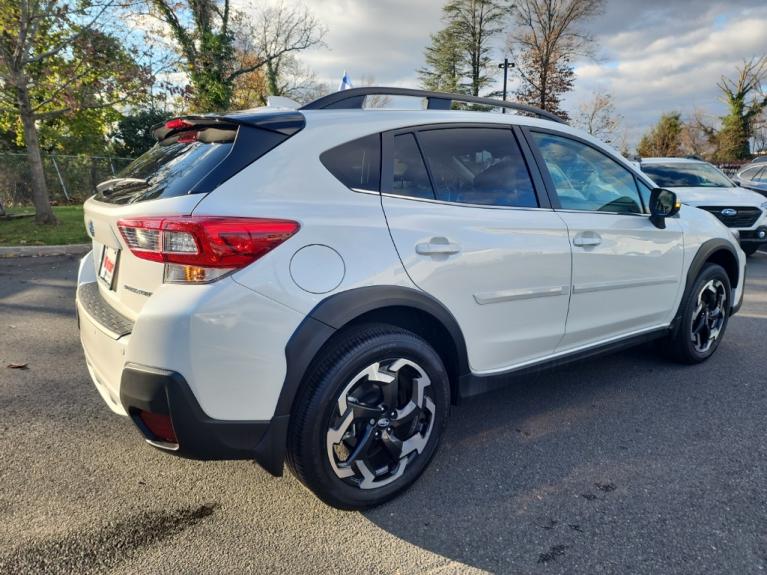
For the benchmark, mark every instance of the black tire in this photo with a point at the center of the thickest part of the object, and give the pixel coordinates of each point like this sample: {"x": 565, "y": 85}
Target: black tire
{"x": 316, "y": 416}
{"x": 686, "y": 344}
{"x": 750, "y": 249}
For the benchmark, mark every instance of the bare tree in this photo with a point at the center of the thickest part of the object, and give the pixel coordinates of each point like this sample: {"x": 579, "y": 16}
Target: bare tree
{"x": 545, "y": 41}
{"x": 698, "y": 136}
{"x": 598, "y": 117}
{"x": 55, "y": 60}
{"x": 274, "y": 34}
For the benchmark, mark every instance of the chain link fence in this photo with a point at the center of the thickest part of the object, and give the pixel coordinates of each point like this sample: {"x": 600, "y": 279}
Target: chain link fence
{"x": 70, "y": 179}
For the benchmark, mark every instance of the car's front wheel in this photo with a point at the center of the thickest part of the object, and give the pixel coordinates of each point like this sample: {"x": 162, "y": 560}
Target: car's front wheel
{"x": 370, "y": 416}
{"x": 703, "y": 317}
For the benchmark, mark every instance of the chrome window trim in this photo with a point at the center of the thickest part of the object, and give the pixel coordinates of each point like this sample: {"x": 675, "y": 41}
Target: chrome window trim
{"x": 464, "y": 205}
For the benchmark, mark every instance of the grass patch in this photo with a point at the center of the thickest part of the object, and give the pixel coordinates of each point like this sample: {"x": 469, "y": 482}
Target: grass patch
{"x": 25, "y": 232}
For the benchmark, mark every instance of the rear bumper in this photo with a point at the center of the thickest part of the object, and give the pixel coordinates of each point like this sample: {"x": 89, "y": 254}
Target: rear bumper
{"x": 199, "y": 436}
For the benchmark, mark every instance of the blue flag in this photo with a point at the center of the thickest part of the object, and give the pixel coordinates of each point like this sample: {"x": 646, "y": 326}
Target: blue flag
{"x": 346, "y": 83}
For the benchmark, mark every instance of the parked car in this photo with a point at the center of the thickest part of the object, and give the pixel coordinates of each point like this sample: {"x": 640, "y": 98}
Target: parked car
{"x": 320, "y": 285}
{"x": 753, "y": 176}
{"x": 700, "y": 184}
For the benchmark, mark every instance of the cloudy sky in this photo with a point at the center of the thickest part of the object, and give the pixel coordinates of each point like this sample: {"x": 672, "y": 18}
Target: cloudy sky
{"x": 652, "y": 55}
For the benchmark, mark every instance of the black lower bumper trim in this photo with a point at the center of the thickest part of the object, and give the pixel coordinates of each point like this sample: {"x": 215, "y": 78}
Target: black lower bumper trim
{"x": 199, "y": 436}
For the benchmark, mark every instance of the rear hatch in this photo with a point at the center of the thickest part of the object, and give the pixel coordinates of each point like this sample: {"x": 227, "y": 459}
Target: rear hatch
{"x": 193, "y": 156}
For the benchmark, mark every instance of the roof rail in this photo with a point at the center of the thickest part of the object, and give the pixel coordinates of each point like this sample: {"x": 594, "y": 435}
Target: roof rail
{"x": 354, "y": 98}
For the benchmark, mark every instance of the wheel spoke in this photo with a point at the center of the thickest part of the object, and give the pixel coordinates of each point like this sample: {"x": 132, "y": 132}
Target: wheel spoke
{"x": 361, "y": 448}
{"x": 406, "y": 415}
{"x": 361, "y": 410}
{"x": 390, "y": 392}
{"x": 392, "y": 444}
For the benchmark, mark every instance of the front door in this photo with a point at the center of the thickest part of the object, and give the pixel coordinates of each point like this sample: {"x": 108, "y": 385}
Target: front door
{"x": 626, "y": 272}
{"x": 471, "y": 231}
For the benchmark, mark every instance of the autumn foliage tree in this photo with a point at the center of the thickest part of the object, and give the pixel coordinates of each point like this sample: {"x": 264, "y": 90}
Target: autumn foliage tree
{"x": 55, "y": 61}
{"x": 546, "y": 39}
{"x": 219, "y": 44}
{"x": 598, "y": 117}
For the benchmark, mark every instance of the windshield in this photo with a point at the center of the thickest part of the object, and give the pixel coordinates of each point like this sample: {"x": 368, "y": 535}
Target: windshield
{"x": 687, "y": 175}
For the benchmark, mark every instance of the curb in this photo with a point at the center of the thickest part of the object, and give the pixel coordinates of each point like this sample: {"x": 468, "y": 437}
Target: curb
{"x": 41, "y": 251}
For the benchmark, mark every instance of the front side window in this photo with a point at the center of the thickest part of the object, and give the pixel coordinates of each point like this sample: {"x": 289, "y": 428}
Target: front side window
{"x": 585, "y": 178}
{"x": 481, "y": 166}
{"x": 686, "y": 175}
{"x": 410, "y": 176}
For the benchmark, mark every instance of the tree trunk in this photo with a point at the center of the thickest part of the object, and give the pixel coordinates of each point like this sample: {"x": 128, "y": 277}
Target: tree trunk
{"x": 272, "y": 76}
{"x": 43, "y": 210}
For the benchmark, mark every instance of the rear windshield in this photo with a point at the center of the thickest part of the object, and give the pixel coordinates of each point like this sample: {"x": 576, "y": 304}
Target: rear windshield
{"x": 196, "y": 160}
{"x": 170, "y": 168}
{"x": 686, "y": 175}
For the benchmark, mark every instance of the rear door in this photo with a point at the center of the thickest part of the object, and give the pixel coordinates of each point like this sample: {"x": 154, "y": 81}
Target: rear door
{"x": 472, "y": 231}
{"x": 626, "y": 272}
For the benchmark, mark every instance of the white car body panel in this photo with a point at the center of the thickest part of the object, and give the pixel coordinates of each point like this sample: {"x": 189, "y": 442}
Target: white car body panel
{"x": 228, "y": 338}
{"x": 509, "y": 284}
{"x": 628, "y": 282}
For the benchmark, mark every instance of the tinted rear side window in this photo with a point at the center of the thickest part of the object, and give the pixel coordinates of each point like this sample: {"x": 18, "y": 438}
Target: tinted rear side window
{"x": 357, "y": 163}
{"x": 481, "y": 166}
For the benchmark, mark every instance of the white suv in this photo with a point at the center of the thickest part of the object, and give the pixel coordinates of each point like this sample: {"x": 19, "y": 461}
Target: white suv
{"x": 700, "y": 184}
{"x": 320, "y": 285}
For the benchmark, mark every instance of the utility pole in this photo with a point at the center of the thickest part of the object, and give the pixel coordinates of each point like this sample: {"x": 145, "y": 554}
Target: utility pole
{"x": 506, "y": 65}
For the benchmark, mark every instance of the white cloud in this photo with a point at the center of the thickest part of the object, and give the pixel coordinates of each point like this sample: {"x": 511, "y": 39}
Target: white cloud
{"x": 673, "y": 63}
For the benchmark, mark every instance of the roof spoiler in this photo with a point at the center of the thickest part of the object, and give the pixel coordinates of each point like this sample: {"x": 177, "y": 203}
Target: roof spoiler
{"x": 286, "y": 123}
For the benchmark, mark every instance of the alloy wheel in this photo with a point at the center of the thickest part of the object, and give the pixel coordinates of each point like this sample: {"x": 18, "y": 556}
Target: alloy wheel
{"x": 382, "y": 421}
{"x": 709, "y": 315}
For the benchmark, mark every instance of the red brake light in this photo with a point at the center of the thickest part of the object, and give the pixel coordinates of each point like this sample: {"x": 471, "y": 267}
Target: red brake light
{"x": 177, "y": 124}
{"x": 205, "y": 242}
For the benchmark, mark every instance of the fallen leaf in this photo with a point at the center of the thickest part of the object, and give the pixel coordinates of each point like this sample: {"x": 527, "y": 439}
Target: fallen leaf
{"x": 18, "y": 366}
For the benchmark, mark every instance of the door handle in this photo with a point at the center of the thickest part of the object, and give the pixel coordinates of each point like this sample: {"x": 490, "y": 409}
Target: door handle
{"x": 587, "y": 239}
{"x": 437, "y": 247}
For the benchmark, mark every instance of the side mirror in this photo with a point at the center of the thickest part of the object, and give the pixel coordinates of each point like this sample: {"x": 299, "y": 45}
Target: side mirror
{"x": 663, "y": 204}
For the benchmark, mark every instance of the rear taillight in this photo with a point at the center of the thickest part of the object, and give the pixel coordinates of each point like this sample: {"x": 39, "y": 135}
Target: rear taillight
{"x": 199, "y": 249}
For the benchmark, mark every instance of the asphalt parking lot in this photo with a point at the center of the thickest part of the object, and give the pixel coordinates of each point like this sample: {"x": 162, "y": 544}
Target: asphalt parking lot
{"x": 623, "y": 464}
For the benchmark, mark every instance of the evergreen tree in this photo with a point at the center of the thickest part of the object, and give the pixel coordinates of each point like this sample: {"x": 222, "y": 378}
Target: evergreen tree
{"x": 460, "y": 54}
{"x": 663, "y": 140}
{"x": 444, "y": 69}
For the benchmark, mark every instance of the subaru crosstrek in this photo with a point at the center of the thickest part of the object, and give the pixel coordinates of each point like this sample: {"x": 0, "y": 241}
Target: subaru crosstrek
{"x": 320, "y": 285}
{"x": 700, "y": 184}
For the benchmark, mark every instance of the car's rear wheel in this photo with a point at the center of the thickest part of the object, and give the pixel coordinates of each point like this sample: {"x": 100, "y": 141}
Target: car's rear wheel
{"x": 704, "y": 316}
{"x": 370, "y": 416}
